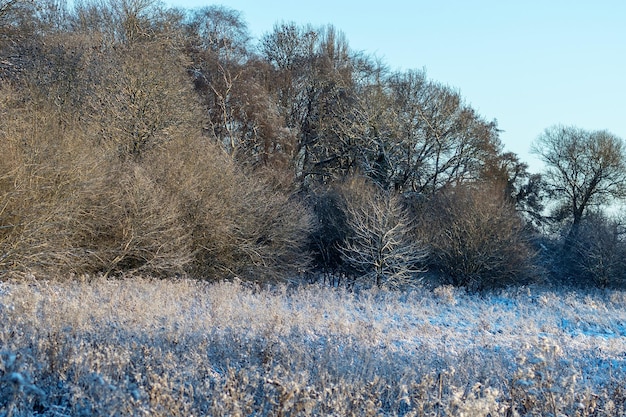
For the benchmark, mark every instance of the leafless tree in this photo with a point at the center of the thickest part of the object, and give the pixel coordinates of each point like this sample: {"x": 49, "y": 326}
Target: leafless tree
{"x": 217, "y": 44}
{"x": 439, "y": 139}
{"x": 583, "y": 168}
{"x": 314, "y": 87}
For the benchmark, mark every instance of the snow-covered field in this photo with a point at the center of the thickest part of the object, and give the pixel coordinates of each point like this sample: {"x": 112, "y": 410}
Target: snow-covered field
{"x": 146, "y": 347}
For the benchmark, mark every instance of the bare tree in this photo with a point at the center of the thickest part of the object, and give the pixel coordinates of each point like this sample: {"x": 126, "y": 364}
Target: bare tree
{"x": 221, "y": 31}
{"x": 583, "y": 169}
{"x": 439, "y": 139}
{"x": 314, "y": 87}
{"x": 144, "y": 96}
{"x": 379, "y": 245}
{"x": 116, "y": 22}
{"x": 217, "y": 44}
{"x": 401, "y": 130}
{"x": 288, "y": 46}
{"x": 131, "y": 18}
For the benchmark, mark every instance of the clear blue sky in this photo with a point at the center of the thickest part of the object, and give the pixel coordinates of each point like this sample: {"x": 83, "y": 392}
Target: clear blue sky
{"x": 529, "y": 64}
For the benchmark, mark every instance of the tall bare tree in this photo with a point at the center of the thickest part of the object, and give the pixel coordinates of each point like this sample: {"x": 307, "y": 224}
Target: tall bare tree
{"x": 217, "y": 44}
{"x": 439, "y": 139}
{"x": 583, "y": 168}
{"x": 314, "y": 87}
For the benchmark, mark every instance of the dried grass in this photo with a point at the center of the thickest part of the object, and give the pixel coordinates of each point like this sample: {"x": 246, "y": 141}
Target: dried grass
{"x": 143, "y": 346}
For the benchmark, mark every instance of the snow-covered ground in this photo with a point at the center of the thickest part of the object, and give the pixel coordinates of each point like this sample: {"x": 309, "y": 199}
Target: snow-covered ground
{"x": 521, "y": 351}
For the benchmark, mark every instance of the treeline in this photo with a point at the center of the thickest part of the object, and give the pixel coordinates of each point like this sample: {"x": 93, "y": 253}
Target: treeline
{"x": 138, "y": 138}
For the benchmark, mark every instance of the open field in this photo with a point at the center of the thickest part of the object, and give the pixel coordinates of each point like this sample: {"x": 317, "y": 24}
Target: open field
{"x": 139, "y": 346}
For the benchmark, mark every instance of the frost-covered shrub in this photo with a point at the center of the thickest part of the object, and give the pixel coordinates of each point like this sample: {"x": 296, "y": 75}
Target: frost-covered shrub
{"x": 475, "y": 238}
{"x": 379, "y": 246}
{"x": 596, "y": 253}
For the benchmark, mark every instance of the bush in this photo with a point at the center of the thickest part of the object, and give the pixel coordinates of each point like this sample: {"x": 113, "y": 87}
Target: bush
{"x": 131, "y": 223}
{"x": 475, "y": 238}
{"x": 596, "y": 253}
{"x": 379, "y": 246}
{"x": 239, "y": 226}
{"x": 68, "y": 204}
{"x": 42, "y": 169}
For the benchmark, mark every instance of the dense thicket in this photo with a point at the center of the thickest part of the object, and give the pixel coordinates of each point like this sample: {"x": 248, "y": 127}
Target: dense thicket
{"x": 140, "y": 138}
